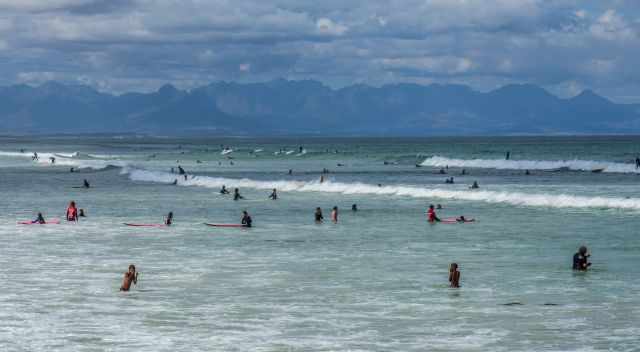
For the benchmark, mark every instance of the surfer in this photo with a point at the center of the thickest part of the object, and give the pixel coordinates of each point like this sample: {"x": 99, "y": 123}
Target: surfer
{"x": 463, "y": 172}
{"x": 321, "y": 179}
{"x": 290, "y": 171}
{"x": 581, "y": 259}
{"x": 354, "y": 207}
{"x": 175, "y": 182}
{"x": 273, "y": 195}
{"x": 169, "y": 219}
{"x": 637, "y": 163}
{"x": 85, "y": 183}
{"x": 442, "y": 172}
{"x": 131, "y": 276}
{"x": 81, "y": 214}
{"x": 474, "y": 185}
{"x": 334, "y": 214}
{"x": 181, "y": 170}
{"x": 71, "y": 170}
{"x": 461, "y": 218}
{"x": 526, "y": 172}
{"x": 506, "y": 157}
{"x": 72, "y": 212}
{"x": 438, "y": 206}
{"x": 39, "y": 219}
{"x": 224, "y": 190}
{"x": 236, "y": 194}
{"x": 318, "y": 215}
{"x": 52, "y": 159}
{"x": 246, "y": 219}
{"x": 35, "y": 156}
{"x": 454, "y": 276}
{"x": 431, "y": 214}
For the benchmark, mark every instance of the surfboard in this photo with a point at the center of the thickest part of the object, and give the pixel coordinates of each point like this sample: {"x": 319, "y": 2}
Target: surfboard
{"x": 224, "y": 225}
{"x": 145, "y": 225}
{"x": 454, "y": 221}
{"x": 50, "y": 222}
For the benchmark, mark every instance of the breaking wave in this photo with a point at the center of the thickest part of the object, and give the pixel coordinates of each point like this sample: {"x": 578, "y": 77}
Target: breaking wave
{"x": 576, "y": 164}
{"x": 512, "y": 198}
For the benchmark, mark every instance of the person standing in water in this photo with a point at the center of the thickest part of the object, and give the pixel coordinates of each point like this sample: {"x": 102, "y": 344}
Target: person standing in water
{"x": 581, "y": 259}
{"x": 236, "y": 194}
{"x": 454, "y": 276}
{"x": 85, "y": 183}
{"x": 131, "y": 276}
{"x": 246, "y": 219}
{"x": 168, "y": 220}
{"x": 334, "y": 215}
{"x": 474, "y": 185}
{"x": 273, "y": 195}
{"x": 431, "y": 214}
{"x": 506, "y": 157}
{"x": 318, "y": 215}
{"x": 637, "y": 163}
{"x": 354, "y": 207}
{"x": 72, "y": 212}
{"x": 224, "y": 190}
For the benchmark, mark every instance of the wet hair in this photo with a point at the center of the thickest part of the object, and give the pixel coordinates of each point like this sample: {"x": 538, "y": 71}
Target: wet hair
{"x": 430, "y": 206}
{"x": 335, "y": 208}
{"x": 583, "y": 250}
{"x": 131, "y": 266}
{"x": 72, "y": 204}
{"x": 453, "y": 266}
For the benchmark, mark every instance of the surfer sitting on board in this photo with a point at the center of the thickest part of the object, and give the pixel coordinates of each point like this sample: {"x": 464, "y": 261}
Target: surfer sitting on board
{"x": 236, "y": 194}
{"x": 39, "y": 219}
{"x": 72, "y": 212}
{"x": 246, "y": 219}
{"x": 169, "y": 219}
{"x": 130, "y": 276}
{"x": 273, "y": 195}
{"x": 454, "y": 275}
{"x": 431, "y": 214}
{"x": 224, "y": 190}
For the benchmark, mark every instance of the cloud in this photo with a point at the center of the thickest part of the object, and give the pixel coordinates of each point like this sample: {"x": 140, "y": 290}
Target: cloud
{"x": 123, "y": 45}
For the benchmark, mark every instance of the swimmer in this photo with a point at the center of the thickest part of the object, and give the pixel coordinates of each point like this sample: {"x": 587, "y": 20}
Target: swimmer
{"x": 236, "y": 194}
{"x": 334, "y": 215}
{"x": 246, "y": 219}
{"x": 439, "y": 206}
{"x": 273, "y": 195}
{"x": 168, "y": 220}
{"x": 454, "y": 276}
{"x": 318, "y": 215}
{"x": 131, "y": 276}
{"x": 474, "y": 185}
{"x": 85, "y": 183}
{"x": 354, "y": 207}
{"x": 53, "y": 160}
{"x": 181, "y": 170}
{"x": 175, "y": 182}
{"x": 224, "y": 190}
{"x": 581, "y": 259}
{"x": 431, "y": 214}
{"x": 81, "y": 214}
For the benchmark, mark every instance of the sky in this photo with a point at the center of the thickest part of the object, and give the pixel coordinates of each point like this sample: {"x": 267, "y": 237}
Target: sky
{"x": 119, "y": 46}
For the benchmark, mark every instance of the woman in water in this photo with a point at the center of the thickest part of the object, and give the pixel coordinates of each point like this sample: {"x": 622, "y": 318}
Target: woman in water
{"x": 72, "y": 212}
{"x": 334, "y": 215}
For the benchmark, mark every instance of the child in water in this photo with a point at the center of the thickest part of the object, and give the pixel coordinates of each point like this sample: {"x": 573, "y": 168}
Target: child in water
{"x": 334, "y": 215}
{"x": 454, "y": 276}
{"x": 318, "y": 215}
{"x": 130, "y": 276}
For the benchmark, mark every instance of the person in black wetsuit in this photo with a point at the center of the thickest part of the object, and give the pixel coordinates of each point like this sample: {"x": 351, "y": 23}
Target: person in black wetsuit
{"x": 637, "y": 163}
{"x": 181, "y": 170}
{"x": 224, "y": 190}
{"x": 169, "y": 219}
{"x": 236, "y": 194}
{"x": 507, "y": 156}
{"x": 85, "y": 183}
{"x": 39, "y": 219}
{"x": 318, "y": 215}
{"x": 581, "y": 259}
{"x": 354, "y": 207}
{"x": 246, "y": 219}
{"x": 273, "y": 195}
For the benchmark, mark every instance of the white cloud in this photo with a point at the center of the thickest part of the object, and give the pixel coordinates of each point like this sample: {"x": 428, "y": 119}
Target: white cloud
{"x": 327, "y": 26}
{"x": 244, "y": 67}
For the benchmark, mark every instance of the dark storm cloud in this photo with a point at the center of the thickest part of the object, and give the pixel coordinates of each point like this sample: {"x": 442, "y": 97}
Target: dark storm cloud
{"x": 122, "y": 45}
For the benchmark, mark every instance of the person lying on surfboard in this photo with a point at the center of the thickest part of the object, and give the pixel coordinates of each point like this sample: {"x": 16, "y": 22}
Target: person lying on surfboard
{"x": 169, "y": 219}
{"x": 131, "y": 276}
{"x": 431, "y": 214}
{"x": 461, "y": 218}
{"x": 39, "y": 219}
{"x": 72, "y": 212}
{"x": 246, "y": 219}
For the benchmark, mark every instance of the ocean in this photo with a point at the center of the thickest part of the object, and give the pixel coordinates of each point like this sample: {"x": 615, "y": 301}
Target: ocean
{"x": 375, "y": 281}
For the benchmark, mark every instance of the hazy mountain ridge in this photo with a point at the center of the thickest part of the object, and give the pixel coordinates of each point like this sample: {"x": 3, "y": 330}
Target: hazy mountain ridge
{"x": 308, "y": 107}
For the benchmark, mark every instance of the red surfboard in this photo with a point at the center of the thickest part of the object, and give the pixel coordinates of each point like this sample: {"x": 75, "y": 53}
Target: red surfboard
{"x": 224, "y": 225}
{"x": 145, "y": 225}
{"x": 50, "y": 222}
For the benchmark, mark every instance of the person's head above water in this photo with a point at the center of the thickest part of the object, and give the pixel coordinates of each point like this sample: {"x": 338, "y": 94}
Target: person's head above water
{"x": 582, "y": 250}
{"x": 430, "y": 206}
{"x": 72, "y": 204}
{"x": 132, "y": 268}
{"x": 453, "y": 267}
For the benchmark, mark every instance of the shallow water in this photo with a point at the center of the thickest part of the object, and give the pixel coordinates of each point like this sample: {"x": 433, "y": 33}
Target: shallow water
{"x": 376, "y": 281}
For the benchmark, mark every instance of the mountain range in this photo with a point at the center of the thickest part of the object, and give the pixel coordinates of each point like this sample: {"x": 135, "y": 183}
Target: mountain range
{"x": 283, "y": 107}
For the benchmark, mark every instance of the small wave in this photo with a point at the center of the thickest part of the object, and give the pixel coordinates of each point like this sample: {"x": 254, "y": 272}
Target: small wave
{"x": 576, "y": 164}
{"x": 75, "y": 160}
{"x": 512, "y": 198}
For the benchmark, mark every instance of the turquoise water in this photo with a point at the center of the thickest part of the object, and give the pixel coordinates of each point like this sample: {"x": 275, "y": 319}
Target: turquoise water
{"x": 376, "y": 281}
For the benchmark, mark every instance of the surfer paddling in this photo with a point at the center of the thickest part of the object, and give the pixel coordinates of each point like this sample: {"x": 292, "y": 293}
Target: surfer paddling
{"x": 130, "y": 277}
